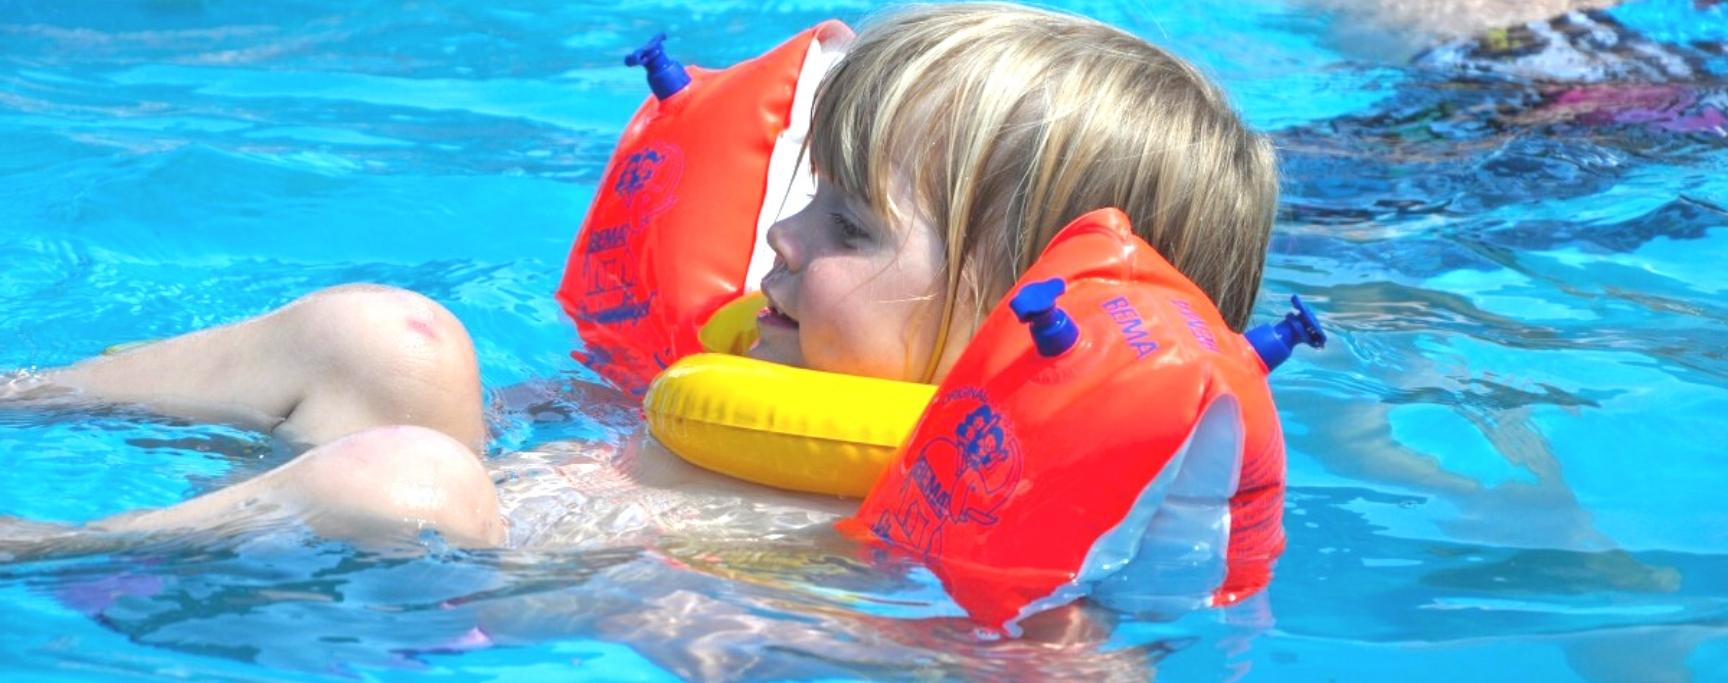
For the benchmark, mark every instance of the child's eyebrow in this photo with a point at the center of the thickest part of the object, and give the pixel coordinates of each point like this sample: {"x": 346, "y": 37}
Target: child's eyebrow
{"x": 855, "y": 205}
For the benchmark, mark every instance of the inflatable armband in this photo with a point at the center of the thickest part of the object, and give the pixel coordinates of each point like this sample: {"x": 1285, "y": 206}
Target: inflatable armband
{"x": 678, "y": 223}
{"x": 1104, "y": 434}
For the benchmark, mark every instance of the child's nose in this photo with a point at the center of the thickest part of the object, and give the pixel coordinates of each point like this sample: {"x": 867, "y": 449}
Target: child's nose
{"x": 783, "y": 240}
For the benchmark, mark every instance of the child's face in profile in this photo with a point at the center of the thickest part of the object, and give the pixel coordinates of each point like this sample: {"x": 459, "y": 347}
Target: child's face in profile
{"x": 850, "y": 293}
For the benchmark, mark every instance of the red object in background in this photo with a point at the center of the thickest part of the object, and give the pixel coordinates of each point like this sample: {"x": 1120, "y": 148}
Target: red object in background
{"x": 1144, "y": 460}
{"x": 670, "y": 234}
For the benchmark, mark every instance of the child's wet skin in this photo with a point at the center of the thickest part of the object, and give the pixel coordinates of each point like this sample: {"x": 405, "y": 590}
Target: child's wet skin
{"x": 851, "y": 293}
{"x": 422, "y": 325}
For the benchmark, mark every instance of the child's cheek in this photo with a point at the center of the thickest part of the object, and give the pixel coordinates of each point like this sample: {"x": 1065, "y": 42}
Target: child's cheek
{"x": 852, "y": 345}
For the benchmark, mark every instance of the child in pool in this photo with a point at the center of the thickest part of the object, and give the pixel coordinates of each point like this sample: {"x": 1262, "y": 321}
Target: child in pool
{"x": 950, "y": 144}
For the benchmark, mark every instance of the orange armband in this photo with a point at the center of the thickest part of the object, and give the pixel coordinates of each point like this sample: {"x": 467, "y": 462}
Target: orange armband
{"x": 1105, "y": 434}
{"x": 678, "y": 225}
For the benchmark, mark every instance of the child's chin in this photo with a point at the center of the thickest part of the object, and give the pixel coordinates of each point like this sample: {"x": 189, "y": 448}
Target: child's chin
{"x": 776, "y": 353}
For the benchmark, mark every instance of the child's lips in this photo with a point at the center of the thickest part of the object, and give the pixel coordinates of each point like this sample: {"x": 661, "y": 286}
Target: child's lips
{"x": 772, "y": 317}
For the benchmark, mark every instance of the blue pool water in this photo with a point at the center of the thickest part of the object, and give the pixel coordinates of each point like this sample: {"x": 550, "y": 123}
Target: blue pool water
{"x": 1507, "y": 465}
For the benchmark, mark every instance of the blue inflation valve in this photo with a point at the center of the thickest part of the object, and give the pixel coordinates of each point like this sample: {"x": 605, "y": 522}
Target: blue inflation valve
{"x": 1275, "y": 341}
{"x": 665, "y": 75}
{"x": 1052, "y": 330}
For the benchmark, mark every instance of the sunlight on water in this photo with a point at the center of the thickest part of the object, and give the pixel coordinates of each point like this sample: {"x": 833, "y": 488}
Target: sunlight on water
{"x": 1507, "y": 461}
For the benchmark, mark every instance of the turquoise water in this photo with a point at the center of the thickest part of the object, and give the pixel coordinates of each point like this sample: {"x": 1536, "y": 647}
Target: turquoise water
{"x": 1507, "y": 464}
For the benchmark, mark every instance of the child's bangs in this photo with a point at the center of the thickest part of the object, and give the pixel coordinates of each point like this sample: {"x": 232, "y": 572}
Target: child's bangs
{"x": 866, "y": 120}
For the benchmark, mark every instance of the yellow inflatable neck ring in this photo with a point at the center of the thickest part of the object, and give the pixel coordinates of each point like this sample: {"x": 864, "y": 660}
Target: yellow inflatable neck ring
{"x": 773, "y": 424}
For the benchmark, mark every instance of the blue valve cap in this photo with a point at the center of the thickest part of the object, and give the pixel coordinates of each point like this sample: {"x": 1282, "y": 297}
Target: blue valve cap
{"x": 1053, "y": 332}
{"x": 665, "y": 75}
{"x": 1275, "y": 341}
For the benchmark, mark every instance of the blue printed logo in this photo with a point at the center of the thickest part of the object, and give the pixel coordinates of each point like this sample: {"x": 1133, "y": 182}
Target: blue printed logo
{"x": 638, "y": 174}
{"x": 646, "y": 185}
{"x": 1196, "y": 325}
{"x": 1132, "y": 326}
{"x": 959, "y": 478}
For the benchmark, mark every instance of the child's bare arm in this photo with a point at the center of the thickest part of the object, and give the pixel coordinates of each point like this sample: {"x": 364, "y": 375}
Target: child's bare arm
{"x": 380, "y": 486}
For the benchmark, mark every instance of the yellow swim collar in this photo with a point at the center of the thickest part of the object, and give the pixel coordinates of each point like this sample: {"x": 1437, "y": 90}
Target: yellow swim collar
{"x": 786, "y": 427}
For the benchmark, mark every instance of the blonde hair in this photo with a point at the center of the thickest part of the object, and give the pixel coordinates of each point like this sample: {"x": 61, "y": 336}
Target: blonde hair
{"x": 1012, "y": 121}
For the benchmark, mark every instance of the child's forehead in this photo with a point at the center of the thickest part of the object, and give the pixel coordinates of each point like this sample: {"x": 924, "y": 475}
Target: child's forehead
{"x": 890, "y": 184}
{"x": 897, "y": 207}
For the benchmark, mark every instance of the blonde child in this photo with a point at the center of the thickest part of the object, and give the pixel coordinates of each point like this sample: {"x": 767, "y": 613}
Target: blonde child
{"x": 950, "y": 145}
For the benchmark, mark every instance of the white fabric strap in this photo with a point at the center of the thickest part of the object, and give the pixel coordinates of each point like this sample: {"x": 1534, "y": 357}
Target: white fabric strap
{"x": 791, "y": 184}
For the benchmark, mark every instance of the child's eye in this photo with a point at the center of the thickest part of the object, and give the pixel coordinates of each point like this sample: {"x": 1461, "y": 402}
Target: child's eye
{"x": 849, "y": 231}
